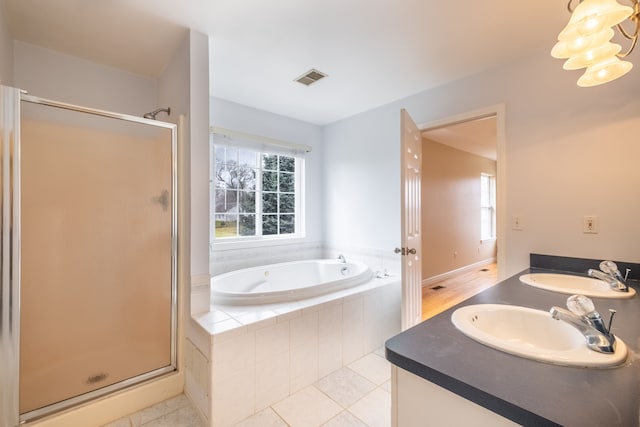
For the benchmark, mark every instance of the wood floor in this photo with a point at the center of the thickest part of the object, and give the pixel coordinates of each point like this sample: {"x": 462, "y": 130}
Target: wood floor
{"x": 440, "y": 296}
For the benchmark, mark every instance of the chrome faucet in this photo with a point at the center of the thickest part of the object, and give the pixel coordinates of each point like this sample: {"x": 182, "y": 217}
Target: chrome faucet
{"x": 583, "y": 316}
{"x": 342, "y": 259}
{"x": 609, "y": 273}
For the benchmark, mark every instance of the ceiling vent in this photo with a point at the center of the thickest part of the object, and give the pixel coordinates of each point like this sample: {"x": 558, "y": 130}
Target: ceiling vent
{"x": 311, "y": 77}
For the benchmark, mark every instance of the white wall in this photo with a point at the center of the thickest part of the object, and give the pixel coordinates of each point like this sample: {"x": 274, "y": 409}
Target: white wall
{"x": 184, "y": 86}
{"x": 53, "y": 75}
{"x": 232, "y": 116}
{"x": 362, "y": 181}
{"x": 582, "y": 148}
{"x": 173, "y": 84}
{"x": 6, "y": 51}
{"x": 570, "y": 151}
{"x": 174, "y": 90}
{"x": 199, "y": 128}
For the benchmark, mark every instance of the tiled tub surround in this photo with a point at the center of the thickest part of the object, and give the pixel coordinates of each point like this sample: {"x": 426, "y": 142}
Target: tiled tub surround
{"x": 243, "y": 359}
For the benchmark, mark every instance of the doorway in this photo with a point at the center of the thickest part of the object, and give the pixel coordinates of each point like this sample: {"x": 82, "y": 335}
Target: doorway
{"x": 461, "y": 263}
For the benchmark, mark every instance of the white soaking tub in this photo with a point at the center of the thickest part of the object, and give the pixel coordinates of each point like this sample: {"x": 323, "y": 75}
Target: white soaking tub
{"x": 249, "y": 352}
{"x": 289, "y": 281}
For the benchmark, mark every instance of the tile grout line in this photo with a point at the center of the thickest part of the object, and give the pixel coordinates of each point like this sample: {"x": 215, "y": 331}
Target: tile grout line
{"x": 330, "y": 398}
{"x": 362, "y": 398}
{"x": 186, "y": 405}
{"x": 272, "y": 407}
{"x": 347, "y": 408}
{"x": 343, "y": 408}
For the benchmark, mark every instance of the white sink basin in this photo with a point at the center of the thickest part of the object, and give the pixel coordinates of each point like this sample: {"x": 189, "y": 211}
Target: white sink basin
{"x": 570, "y": 284}
{"x": 532, "y": 334}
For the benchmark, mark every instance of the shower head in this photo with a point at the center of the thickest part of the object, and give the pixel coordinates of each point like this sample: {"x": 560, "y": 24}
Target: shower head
{"x": 152, "y": 115}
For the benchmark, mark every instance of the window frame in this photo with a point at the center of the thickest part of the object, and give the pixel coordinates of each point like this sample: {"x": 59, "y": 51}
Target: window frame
{"x": 258, "y": 239}
{"x": 490, "y": 207}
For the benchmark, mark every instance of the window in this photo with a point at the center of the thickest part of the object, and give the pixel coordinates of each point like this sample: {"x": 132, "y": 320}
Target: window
{"x": 487, "y": 207}
{"x": 255, "y": 194}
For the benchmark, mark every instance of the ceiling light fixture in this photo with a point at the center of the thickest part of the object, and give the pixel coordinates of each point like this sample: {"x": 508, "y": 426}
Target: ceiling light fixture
{"x": 586, "y": 40}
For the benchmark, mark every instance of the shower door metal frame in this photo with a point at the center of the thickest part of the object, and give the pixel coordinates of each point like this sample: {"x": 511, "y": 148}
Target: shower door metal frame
{"x": 10, "y": 259}
{"x": 9, "y": 264}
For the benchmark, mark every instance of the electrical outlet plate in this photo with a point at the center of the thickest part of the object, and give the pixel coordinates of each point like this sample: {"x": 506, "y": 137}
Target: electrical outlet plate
{"x": 517, "y": 223}
{"x": 590, "y": 224}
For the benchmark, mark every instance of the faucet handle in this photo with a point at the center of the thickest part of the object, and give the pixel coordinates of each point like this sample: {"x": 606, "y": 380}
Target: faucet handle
{"x": 580, "y": 305}
{"x": 611, "y": 268}
{"x": 612, "y": 313}
{"x": 608, "y": 267}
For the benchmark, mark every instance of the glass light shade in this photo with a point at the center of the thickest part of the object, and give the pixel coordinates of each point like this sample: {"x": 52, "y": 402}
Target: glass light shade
{"x": 593, "y": 56}
{"x": 581, "y": 44}
{"x": 592, "y": 16}
{"x": 604, "y": 72}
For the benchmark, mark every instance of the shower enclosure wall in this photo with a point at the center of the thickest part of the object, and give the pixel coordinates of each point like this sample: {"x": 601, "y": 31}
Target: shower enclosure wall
{"x": 88, "y": 254}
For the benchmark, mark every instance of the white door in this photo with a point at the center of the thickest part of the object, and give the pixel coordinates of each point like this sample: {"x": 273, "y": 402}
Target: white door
{"x": 411, "y": 239}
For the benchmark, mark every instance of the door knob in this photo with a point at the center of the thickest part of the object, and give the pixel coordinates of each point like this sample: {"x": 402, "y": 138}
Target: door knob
{"x": 404, "y": 251}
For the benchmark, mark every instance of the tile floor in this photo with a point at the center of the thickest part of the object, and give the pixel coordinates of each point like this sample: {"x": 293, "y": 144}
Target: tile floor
{"x": 175, "y": 412}
{"x": 358, "y": 395}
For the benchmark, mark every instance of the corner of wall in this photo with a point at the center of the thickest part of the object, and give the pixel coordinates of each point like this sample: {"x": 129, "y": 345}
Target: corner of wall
{"x": 199, "y": 147}
{"x": 197, "y": 363}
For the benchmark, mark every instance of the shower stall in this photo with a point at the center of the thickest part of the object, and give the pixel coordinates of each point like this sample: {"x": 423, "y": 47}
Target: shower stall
{"x": 88, "y": 284}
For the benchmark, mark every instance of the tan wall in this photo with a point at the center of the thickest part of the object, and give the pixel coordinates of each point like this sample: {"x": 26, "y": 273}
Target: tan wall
{"x": 451, "y": 209}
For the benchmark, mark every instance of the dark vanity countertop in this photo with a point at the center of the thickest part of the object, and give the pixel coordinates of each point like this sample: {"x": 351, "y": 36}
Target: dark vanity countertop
{"x": 527, "y": 392}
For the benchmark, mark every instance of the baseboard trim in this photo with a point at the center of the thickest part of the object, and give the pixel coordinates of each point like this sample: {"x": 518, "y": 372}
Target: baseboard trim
{"x": 452, "y": 273}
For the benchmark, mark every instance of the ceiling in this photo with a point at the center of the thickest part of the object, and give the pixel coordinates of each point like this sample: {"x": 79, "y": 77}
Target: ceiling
{"x": 374, "y": 51}
{"x": 477, "y": 136}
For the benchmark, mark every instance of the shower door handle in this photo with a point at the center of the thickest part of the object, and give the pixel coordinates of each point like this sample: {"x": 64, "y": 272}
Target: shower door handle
{"x": 162, "y": 199}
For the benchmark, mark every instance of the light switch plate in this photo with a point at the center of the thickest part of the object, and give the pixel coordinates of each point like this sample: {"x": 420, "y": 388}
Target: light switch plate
{"x": 590, "y": 224}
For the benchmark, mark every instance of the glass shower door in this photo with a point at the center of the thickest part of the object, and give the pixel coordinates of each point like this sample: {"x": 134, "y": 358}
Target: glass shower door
{"x": 97, "y": 259}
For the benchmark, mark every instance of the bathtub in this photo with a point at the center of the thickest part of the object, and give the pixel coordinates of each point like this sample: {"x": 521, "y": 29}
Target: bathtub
{"x": 289, "y": 281}
{"x": 330, "y": 315}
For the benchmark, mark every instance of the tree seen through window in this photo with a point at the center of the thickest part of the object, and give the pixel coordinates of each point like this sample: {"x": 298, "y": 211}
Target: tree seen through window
{"x": 255, "y": 193}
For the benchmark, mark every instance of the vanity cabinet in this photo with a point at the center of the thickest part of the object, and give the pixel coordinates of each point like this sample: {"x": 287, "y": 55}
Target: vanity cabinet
{"x": 417, "y": 402}
{"x": 441, "y": 377}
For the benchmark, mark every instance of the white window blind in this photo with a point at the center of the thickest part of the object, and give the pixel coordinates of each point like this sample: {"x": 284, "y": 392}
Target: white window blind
{"x": 258, "y": 143}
